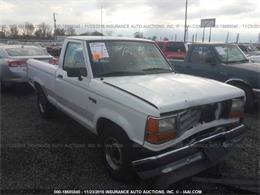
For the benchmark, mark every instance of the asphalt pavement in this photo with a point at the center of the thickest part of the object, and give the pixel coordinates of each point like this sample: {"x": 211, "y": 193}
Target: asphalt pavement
{"x": 40, "y": 155}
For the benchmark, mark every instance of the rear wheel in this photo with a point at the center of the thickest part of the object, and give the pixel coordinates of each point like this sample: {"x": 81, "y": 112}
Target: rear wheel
{"x": 46, "y": 109}
{"x": 4, "y": 86}
{"x": 117, "y": 153}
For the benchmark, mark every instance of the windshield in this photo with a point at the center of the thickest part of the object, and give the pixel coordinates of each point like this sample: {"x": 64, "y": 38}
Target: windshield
{"x": 230, "y": 54}
{"x": 26, "y": 51}
{"x": 124, "y": 58}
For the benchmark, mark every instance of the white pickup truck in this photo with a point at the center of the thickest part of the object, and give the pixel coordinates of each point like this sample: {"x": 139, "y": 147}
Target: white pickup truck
{"x": 150, "y": 120}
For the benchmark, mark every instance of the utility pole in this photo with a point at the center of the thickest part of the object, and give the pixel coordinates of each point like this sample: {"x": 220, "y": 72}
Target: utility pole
{"x": 237, "y": 39}
{"x": 101, "y": 19}
{"x": 55, "y": 27}
{"x": 227, "y": 38}
{"x": 203, "y": 36}
{"x": 185, "y": 26}
{"x": 209, "y": 34}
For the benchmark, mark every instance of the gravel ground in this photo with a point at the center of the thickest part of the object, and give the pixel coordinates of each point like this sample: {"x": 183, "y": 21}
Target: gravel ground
{"x": 41, "y": 155}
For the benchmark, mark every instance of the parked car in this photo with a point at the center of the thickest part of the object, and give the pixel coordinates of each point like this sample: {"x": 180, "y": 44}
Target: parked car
{"x": 255, "y": 59}
{"x": 13, "y": 62}
{"x": 257, "y": 45}
{"x": 249, "y": 49}
{"x": 173, "y": 50}
{"x": 225, "y": 63}
{"x": 150, "y": 120}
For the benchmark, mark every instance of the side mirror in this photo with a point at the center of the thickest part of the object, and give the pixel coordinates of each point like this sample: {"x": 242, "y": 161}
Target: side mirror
{"x": 76, "y": 72}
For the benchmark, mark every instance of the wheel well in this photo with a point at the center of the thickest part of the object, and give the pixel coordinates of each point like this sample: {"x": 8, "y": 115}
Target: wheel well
{"x": 37, "y": 86}
{"x": 238, "y": 82}
{"x": 102, "y": 123}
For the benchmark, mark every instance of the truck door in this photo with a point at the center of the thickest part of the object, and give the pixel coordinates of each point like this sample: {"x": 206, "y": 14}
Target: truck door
{"x": 202, "y": 62}
{"x": 71, "y": 89}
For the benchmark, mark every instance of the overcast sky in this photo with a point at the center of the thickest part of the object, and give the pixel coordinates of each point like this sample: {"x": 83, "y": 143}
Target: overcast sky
{"x": 136, "y": 12}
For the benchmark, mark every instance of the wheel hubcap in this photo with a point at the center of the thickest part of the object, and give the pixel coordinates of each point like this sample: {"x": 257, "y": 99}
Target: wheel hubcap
{"x": 113, "y": 153}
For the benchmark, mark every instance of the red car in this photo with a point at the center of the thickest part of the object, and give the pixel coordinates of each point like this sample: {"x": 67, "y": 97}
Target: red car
{"x": 172, "y": 49}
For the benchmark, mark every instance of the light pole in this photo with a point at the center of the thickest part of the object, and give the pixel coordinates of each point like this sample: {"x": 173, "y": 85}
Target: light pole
{"x": 55, "y": 26}
{"x": 185, "y": 26}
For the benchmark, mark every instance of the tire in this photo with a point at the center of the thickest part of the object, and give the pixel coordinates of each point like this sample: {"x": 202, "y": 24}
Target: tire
{"x": 117, "y": 154}
{"x": 3, "y": 86}
{"x": 249, "y": 104}
{"x": 46, "y": 109}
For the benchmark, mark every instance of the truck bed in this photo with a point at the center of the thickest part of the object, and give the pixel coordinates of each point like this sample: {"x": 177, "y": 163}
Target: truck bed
{"x": 42, "y": 73}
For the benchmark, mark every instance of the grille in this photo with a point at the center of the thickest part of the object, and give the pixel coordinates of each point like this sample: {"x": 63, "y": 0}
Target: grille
{"x": 189, "y": 119}
{"x": 208, "y": 113}
{"x": 203, "y": 114}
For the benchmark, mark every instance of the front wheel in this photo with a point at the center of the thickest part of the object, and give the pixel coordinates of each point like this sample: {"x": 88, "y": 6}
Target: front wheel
{"x": 46, "y": 109}
{"x": 117, "y": 154}
{"x": 3, "y": 86}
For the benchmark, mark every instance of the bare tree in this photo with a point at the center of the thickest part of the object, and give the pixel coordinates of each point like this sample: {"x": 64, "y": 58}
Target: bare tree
{"x": 3, "y": 31}
{"x": 43, "y": 30}
{"x": 29, "y": 29}
{"x": 138, "y": 35}
{"x": 14, "y": 31}
{"x": 60, "y": 31}
{"x": 70, "y": 31}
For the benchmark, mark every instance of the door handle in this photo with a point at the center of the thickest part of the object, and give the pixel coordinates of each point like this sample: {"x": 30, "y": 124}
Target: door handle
{"x": 60, "y": 76}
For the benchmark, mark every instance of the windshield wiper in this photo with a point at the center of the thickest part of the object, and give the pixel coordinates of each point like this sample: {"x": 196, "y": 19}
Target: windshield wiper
{"x": 244, "y": 60}
{"x": 119, "y": 73}
{"x": 236, "y": 61}
{"x": 157, "y": 69}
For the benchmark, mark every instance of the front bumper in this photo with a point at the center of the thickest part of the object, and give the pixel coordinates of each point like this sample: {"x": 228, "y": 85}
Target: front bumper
{"x": 192, "y": 158}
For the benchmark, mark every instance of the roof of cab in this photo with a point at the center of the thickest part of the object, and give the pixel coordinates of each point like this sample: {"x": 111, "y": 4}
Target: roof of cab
{"x": 107, "y": 38}
{"x": 213, "y": 43}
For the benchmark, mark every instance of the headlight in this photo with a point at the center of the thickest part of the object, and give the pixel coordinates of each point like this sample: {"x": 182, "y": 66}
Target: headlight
{"x": 167, "y": 124}
{"x": 160, "y": 130}
{"x": 237, "y": 108}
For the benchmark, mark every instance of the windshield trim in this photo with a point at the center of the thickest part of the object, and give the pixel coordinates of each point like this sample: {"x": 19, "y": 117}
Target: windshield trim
{"x": 171, "y": 69}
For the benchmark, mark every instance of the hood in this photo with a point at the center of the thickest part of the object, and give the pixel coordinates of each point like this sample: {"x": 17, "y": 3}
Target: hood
{"x": 171, "y": 92}
{"x": 255, "y": 67}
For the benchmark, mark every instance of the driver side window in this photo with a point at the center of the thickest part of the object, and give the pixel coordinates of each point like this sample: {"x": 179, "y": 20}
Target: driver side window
{"x": 74, "y": 58}
{"x": 202, "y": 55}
